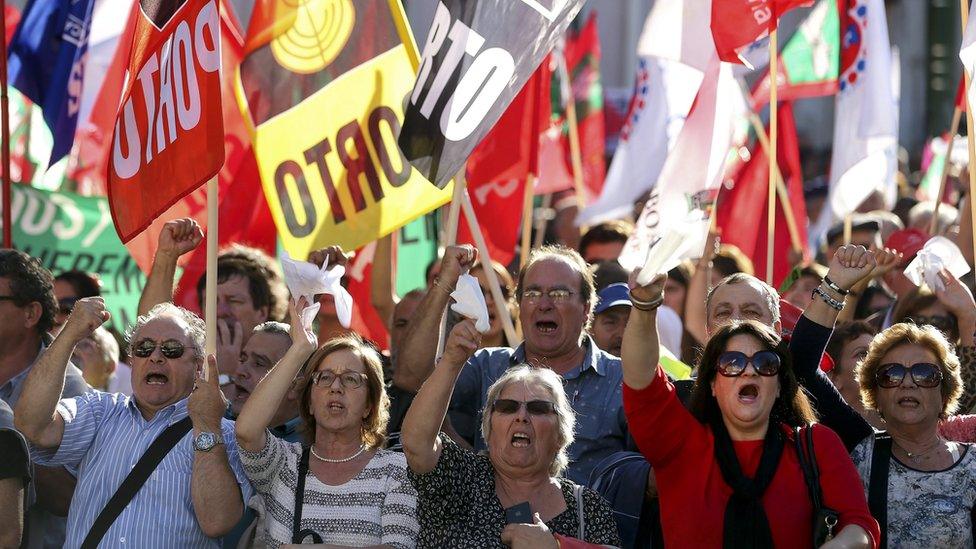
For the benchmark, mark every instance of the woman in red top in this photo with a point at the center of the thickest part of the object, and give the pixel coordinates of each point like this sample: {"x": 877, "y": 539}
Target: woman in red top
{"x": 745, "y": 386}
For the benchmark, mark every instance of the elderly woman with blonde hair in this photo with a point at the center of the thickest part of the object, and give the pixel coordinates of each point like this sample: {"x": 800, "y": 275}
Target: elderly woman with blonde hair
{"x": 513, "y": 496}
{"x": 920, "y": 486}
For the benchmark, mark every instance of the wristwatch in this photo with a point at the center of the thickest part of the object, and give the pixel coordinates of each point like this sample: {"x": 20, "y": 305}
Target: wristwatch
{"x": 204, "y": 442}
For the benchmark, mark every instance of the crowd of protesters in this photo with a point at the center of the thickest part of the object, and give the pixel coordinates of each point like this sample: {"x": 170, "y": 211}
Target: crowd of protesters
{"x": 832, "y": 413}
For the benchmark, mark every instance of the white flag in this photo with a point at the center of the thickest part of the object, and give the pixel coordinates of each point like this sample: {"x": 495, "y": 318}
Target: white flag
{"x": 663, "y": 94}
{"x": 866, "y": 116}
{"x": 689, "y": 180}
{"x": 679, "y": 30}
{"x": 967, "y": 53}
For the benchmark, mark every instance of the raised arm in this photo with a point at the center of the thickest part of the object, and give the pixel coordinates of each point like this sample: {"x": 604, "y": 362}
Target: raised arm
{"x": 850, "y": 265}
{"x": 959, "y": 301}
{"x": 426, "y": 415}
{"x": 259, "y": 410}
{"x": 415, "y": 361}
{"x": 178, "y": 237}
{"x": 885, "y": 260}
{"x": 641, "y": 350}
{"x": 381, "y": 289}
{"x": 34, "y": 415}
{"x": 695, "y": 313}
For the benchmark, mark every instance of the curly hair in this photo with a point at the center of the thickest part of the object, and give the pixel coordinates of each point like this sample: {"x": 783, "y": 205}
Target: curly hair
{"x": 374, "y": 425}
{"x": 791, "y": 407}
{"x": 30, "y": 283}
{"x": 905, "y": 333}
{"x": 265, "y": 283}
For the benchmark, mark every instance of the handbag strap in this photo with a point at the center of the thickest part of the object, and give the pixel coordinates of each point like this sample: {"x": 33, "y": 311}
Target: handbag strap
{"x": 297, "y": 534}
{"x": 803, "y": 438}
{"x": 878, "y": 483}
{"x": 578, "y": 494}
{"x": 135, "y": 480}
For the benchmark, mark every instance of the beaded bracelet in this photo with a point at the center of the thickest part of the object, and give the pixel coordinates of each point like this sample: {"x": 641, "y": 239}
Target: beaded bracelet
{"x": 833, "y": 303}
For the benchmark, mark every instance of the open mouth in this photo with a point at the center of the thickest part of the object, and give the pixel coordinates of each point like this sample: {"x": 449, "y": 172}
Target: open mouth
{"x": 749, "y": 394}
{"x": 907, "y": 401}
{"x": 241, "y": 393}
{"x": 546, "y": 326}
{"x": 521, "y": 440}
{"x": 336, "y": 407}
{"x": 156, "y": 379}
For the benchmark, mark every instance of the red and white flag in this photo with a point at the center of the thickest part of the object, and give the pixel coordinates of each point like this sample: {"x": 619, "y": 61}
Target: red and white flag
{"x": 738, "y": 24}
{"x": 169, "y": 135}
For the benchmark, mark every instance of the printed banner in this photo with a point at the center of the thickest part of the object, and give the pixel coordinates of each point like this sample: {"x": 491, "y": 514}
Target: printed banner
{"x": 477, "y": 56}
{"x": 70, "y": 232}
{"x": 326, "y": 110}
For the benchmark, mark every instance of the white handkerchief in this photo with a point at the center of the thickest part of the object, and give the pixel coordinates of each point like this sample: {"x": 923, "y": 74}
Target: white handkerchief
{"x": 470, "y": 302}
{"x": 669, "y": 250}
{"x": 306, "y": 279}
{"x": 937, "y": 253}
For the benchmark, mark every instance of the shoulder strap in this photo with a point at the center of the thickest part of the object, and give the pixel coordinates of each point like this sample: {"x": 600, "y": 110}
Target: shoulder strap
{"x": 135, "y": 480}
{"x": 578, "y": 494}
{"x": 803, "y": 440}
{"x": 297, "y": 534}
{"x": 878, "y": 484}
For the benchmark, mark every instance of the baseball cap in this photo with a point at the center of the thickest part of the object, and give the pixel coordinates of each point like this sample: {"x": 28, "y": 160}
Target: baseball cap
{"x": 908, "y": 242}
{"x": 611, "y": 296}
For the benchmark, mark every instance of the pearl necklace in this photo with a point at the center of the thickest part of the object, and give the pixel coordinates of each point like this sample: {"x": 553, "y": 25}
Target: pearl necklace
{"x": 343, "y": 460}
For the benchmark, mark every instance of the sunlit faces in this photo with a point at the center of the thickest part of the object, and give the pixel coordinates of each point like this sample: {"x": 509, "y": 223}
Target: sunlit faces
{"x": 338, "y": 408}
{"x": 523, "y": 441}
{"x": 744, "y": 300}
{"x": 261, "y": 352}
{"x": 909, "y": 404}
{"x": 234, "y": 302}
{"x": 608, "y": 328}
{"x": 747, "y": 399}
{"x": 158, "y": 381}
{"x": 552, "y": 327}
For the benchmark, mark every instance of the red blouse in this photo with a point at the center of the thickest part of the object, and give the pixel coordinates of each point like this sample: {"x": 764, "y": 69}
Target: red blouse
{"x": 693, "y": 493}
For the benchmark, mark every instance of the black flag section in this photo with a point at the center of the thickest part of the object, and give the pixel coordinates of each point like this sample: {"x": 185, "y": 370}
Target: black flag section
{"x": 476, "y": 58}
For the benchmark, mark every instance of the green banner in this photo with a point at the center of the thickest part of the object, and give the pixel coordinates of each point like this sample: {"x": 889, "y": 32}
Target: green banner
{"x": 70, "y": 232}
{"x": 417, "y": 247}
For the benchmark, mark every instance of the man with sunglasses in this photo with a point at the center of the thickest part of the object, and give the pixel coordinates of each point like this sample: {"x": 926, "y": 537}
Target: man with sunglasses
{"x": 195, "y": 493}
{"x": 27, "y": 309}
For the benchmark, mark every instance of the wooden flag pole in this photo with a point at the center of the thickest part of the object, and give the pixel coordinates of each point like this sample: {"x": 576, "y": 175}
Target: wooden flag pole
{"x": 526, "y": 242}
{"x": 964, "y": 12}
{"x": 210, "y": 307}
{"x": 575, "y": 149}
{"x": 454, "y": 213}
{"x": 542, "y": 221}
{"x": 848, "y": 227}
{"x": 773, "y": 169}
{"x": 781, "y": 191}
{"x": 493, "y": 284}
{"x": 953, "y": 129}
{"x": 5, "y": 131}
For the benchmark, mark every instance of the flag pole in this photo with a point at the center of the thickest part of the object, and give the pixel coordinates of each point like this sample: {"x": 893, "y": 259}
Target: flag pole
{"x": 964, "y": 12}
{"x": 454, "y": 214}
{"x": 493, "y": 284}
{"x": 781, "y": 191}
{"x": 526, "y": 243}
{"x": 953, "y": 129}
{"x": 575, "y": 149}
{"x": 848, "y": 227}
{"x": 210, "y": 307}
{"x": 5, "y": 131}
{"x": 542, "y": 221}
{"x": 773, "y": 169}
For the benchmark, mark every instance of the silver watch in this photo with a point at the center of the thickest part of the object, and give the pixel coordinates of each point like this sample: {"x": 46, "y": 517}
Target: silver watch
{"x": 204, "y": 442}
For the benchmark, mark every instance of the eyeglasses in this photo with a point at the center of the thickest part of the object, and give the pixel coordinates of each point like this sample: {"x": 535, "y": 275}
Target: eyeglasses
{"x": 557, "y": 295}
{"x": 170, "y": 348}
{"x": 943, "y": 323}
{"x": 924, "y": 374}
{"x": 533, "y": 407}
{"x": 733, "y": 363}
{"x": 348, "y": 380}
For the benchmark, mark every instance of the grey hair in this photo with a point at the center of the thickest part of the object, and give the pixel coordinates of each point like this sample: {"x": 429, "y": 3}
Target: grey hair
{"x": 196, "y": 330}
{"x": 771, "y": 295}
{"x": 274, "y": 327}
{"x": 553, "y": 384}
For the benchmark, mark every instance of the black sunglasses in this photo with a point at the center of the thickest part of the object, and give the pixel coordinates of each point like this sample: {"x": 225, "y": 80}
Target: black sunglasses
{"x": 733, "y": 363}
{"x": 170, "y": 348}
{"x": 533, "y": 407}
{"x": 924, "y": 374}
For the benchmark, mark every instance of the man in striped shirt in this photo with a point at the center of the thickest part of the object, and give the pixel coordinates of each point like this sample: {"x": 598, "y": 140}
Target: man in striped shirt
{"x": 196, "y": 492}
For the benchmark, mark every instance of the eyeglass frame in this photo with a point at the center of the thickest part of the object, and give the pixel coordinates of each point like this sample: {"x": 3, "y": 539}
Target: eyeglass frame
{"x": 548, "y": 404}
{"x": 136, "y": 352}
{"x": 908, "y": 371}
{"x": 316, "y": 376}
{"x": 750, "y": 360}
{"x": 534, "y": 295}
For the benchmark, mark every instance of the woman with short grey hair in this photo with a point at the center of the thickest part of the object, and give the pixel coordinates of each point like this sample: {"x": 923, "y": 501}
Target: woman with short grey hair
{"x": 512, "y": 495}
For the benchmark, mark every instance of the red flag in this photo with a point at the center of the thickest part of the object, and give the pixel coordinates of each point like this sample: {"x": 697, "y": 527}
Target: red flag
{"x": 736, "y": 24}
{"x": 11, "y": 16}
{"x": 583, "y": 61}
{"x": 961, "y": 94}
{"x": 747, "y": 199}
{"x": 365, "y": 320}
{"x": 169, "y": 135}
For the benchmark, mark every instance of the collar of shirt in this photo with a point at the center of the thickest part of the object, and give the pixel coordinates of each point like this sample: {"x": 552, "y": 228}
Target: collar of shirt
{"x": 170, "y": 414}
{"x": 592, "y": 359}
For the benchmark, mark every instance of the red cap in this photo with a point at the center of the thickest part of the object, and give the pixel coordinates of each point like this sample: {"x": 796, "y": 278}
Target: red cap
{"x": 908, "y": 242}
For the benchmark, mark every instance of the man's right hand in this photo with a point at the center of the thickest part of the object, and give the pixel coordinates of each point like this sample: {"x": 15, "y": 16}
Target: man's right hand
{"x": 179, "y": 236}
{"x": 457, "y": 259}
{"x": 88, "y": 314}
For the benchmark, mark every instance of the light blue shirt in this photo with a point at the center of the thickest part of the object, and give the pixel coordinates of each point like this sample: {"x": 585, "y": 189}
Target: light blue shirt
{"x": 594, "y": 389}
{"x": 104, "y": 437}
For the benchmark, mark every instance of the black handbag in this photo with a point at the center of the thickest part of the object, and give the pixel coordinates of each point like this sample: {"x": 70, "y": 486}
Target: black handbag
{"x": 824, "y": 518}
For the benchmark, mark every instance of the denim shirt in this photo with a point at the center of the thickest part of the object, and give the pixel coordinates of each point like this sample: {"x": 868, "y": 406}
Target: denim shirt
{"x": 594, "y": 390}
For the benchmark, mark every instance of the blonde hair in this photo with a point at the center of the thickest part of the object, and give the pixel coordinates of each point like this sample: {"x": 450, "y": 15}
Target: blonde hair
{"x": 554, "y": 386}
{"x": 909, "y": 334}
{"x": 374, "y": 424}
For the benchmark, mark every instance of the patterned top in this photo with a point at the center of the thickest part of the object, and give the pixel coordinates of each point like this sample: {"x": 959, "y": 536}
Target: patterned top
{"x": 926, "y": 508}
{"x": 376, "y": 507}
{"x": 458, "y": 506}
{"x": 967, "y": 368}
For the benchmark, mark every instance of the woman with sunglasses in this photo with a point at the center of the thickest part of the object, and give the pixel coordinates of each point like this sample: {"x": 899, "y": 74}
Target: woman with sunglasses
{"x": 342, "y": 489}
{"x": 515, "y": 494}
{"x": 732, "y": 458}
{"x": 921, "y": 487}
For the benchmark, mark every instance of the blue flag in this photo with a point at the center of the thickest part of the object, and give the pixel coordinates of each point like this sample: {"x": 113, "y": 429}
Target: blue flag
{"x": 46, "y": 63}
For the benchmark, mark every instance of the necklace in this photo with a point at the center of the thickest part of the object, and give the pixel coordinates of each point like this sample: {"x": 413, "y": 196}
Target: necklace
{"x": 917, "y": 456}
{"x": 343, "y": 460}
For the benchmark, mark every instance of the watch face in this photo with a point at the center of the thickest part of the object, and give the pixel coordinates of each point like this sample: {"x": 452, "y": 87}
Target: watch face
{"x": 205, "y": 441}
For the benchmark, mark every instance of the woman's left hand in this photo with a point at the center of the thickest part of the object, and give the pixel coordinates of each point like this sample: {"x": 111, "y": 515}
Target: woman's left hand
{"x": 956, "y": 296}
{"x": 529, "y": 536}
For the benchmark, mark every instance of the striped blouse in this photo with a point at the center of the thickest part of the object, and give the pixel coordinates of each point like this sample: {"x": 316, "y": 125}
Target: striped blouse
{"x": 378, "y": 506}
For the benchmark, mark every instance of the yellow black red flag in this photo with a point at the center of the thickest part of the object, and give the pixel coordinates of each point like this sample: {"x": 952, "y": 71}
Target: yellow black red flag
{"x": 322, "y": 85}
